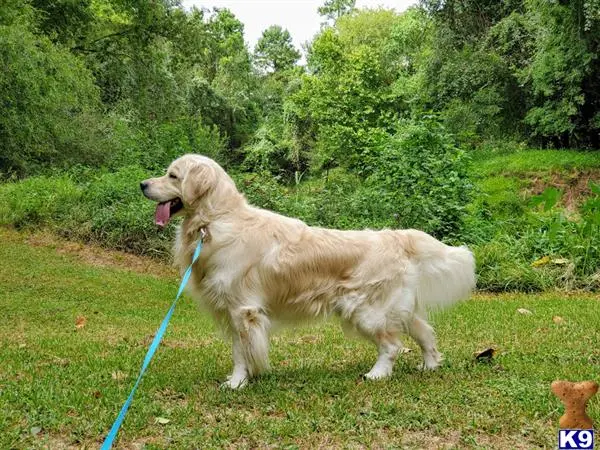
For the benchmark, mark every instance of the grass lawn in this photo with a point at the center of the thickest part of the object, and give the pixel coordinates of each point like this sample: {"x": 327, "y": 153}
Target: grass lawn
{"x": 62, "y": 387}
{"x": 535, "y": 160}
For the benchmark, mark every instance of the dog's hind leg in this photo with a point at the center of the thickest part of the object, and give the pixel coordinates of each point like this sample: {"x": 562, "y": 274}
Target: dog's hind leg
{"x": 388, "y": 346}
{"x": 424, "y": 335}
{"x": 381, "y": 322}
{"x": 250, "y": 345}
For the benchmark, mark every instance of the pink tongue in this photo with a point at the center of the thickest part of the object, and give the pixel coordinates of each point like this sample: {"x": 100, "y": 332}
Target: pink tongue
{"x": 163, "y": 214}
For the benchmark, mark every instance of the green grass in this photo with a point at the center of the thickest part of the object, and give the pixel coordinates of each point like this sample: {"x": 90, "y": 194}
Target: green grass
{"x": 503, "y": 180}
{"x": 61, "y": 380}
{"x": 534, "y": 161}
{"x": 508, "y": 232}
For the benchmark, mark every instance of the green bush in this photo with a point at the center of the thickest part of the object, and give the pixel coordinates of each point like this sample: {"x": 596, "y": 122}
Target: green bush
{"x": 108, "y": 209}
{"x": 531, "y": 245}
{"x": 38, "y": 201}
{"x": 118, "y": 215}
{"x": 421, "y": 178}
{"x": 575, "y": 238}
{"x": 502, "y": 266}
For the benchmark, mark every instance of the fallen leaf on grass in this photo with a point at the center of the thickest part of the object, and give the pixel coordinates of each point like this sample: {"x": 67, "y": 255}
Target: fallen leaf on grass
{"x": 541, "y": 262}
{"x": 558, "y": 320}
{"x": 524, "y": 311}
{"x": 118, "y": 375}
{"x": 560, "y": 261}
{"x": 485, "y": 355}
{"x": 80, "y": 322}
{"x": 162, "y": 420}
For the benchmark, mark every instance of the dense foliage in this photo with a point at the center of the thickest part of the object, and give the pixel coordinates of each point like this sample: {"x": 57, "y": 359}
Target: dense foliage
{"x": 105, "y": 82}
{"x": 376, "y": 129}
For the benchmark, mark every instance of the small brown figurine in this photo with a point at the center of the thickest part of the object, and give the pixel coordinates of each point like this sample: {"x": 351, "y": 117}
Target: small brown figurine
{"x": 575, "y": 397}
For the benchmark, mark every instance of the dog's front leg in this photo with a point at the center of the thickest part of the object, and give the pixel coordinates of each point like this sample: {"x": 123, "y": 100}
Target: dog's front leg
{"x": 250, "y": 345}
{"x": 239, "y": 376}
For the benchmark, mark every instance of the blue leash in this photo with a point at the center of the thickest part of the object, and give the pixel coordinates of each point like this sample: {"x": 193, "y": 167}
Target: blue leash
{"x": 108, "y": 442}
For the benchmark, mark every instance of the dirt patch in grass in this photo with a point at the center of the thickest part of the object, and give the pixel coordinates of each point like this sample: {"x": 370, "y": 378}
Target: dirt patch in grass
{"x": 574, "y": 185}
{"x": 90, "y": 254}
{"x": 57, "y": 442}
{"x": 426, "y": 440}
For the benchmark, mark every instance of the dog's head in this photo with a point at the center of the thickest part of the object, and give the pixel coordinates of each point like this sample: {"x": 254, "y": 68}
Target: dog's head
{"x": 189, "y": 181}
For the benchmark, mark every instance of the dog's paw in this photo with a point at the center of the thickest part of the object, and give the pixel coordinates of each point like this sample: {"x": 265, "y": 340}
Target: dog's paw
{"x": 428, "y": 367}
{"x": 431, "y": 362}
{"x": 377, "y": 374}
{"x": 234, "y": 382}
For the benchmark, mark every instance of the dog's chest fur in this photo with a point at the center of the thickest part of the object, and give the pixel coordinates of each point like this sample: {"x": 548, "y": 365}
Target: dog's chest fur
{"x": 217, "y": 277}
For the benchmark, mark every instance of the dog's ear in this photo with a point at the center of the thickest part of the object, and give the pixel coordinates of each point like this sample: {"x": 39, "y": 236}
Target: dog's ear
{"x": 197, "y": 182}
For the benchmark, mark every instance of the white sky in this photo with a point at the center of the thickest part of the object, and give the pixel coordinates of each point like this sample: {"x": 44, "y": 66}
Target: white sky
{"x": 299, "y": 17}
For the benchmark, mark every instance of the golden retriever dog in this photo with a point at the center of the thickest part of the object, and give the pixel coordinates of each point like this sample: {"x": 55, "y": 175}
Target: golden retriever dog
{"x": 258, "y": 268}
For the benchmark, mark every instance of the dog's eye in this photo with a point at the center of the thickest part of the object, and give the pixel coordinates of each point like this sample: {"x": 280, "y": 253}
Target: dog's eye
{"x": 172, "y": 176}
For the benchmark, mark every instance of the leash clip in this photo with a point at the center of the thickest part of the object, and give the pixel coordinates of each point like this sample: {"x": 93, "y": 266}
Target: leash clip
{"x": 203, "y": 234}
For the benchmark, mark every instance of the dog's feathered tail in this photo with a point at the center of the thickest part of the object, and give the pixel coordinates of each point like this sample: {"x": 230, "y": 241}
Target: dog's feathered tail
{"x": 446, "y": 274}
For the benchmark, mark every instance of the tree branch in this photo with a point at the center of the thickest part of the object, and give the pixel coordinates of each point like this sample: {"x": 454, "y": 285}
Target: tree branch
{"x": 108, "y": 36}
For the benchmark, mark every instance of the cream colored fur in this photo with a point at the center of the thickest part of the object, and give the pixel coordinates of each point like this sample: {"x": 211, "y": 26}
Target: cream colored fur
{"x": 258, "y": 268}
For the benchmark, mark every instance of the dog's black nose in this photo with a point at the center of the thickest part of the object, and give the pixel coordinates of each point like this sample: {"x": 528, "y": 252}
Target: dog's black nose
{"x": 143, "y": 185}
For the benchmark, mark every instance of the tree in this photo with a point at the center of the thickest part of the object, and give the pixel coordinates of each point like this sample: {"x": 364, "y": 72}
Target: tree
{"x": 334, "y": 9}
{"x": 360, "y": 82}
{"x": 525, "y": 66}
{"x": 47, "y": 97}
{"x": 275, "y": 51}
